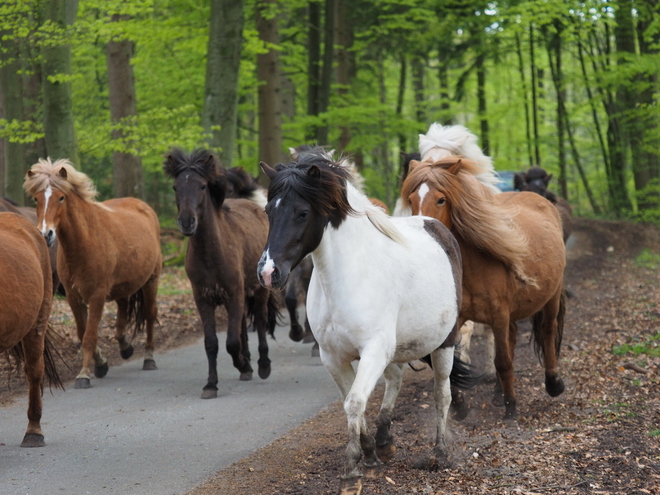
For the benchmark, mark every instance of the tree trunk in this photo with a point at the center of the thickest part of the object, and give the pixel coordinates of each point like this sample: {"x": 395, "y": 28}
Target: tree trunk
{"x": 268, "y": 74}
{"x": 400, "y": 99}
{"x": 58, "y": 113}
{"x": 222, "y": 70}
{"x": 383, "y": 148}
{"x": 344, "y": 72}
{"x": 521, "y": 69}
{"x": 481, "y": 96}
{"x": 446, "y": 116}
{"x": 126, "y": 168}
{"x": 326, "y": 73}
{"x": 14, "y": 155}
{"x": 535, "y": 108}
{"x": 313, "y": 64}
{"x": 418, "y": 64}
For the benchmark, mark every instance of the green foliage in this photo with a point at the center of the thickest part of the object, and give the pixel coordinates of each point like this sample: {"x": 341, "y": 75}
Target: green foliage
{"x": 648, "y": 259}
{"x": 650, "y": 348}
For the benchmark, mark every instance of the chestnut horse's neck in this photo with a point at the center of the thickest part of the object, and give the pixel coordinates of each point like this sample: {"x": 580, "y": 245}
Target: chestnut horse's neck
{"x": 79, "y": 219}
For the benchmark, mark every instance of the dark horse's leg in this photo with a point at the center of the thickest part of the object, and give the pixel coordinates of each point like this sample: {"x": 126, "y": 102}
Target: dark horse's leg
{"x": 150, "y": 291}
{"x": 291, "y": 299}
{"x": 551, "y": 328}
{"x": 261, "y": 299}
{"x": 207, "y": 314}
{"x": 125, "y": 347}
{"x": 237, "y": 334}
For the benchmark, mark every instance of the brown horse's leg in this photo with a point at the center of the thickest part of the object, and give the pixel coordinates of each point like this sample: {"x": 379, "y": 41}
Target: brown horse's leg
{"x": 90, "y": 340}
{"x": 261, "y": 324}
{"x": 505, "y": 333}
{"x": 207, "y": 314}
{"x": 125, "y": 347}
{"x": 150, "y": 292}
{"x": 236, "y": 334}
{"x": 33, "y": 350}
{"x": 553, "y": 318}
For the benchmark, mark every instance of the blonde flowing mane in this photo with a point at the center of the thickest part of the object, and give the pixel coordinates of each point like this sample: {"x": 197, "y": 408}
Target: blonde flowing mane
{"x": 45, "y": 173}
{"x": 476, "y": 217}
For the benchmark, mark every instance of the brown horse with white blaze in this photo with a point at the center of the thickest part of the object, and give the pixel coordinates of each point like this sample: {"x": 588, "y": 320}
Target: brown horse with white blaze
{"x": 26, "y": 294}
{"x": 513, "y": 260}
{"x": 109, "y": 251}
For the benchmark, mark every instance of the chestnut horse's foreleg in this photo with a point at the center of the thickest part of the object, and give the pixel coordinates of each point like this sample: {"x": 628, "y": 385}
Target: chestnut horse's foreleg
{"x": 505, "y": 344}
{"x": 33, "y": 351}
{"x": 553, "y": 319}
{"x": 207, "y": 315}
{"x": 384, "y": 441}
{"x": 261, "y": 312}
{"x": 90, "y": 343}
{"x": 125, "y": 347}
{"x": 150, "y": 293}
{"x": 237, "y": 335}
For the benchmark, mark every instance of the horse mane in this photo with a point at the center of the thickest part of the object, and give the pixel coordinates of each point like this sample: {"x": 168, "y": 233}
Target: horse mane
{"x": 245, "y": 186}
{"x": 45, "y": 173}
{"x": 458, "y": 140}
{"x": 475, "y": 215}
{"x": 343, "y": 161}
{"x": 203, "y": 163}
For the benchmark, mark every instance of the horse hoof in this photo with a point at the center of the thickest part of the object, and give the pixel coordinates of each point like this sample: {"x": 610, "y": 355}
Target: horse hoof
{"x": 460, "y": 410}
{"x": 209, "y": 393}
{"x": 246, "y": 376}
{"x": 371, "y": 472}
{"x": 498, "y": 400}
{"x": 308, "y": 338}
{"x": 431, "y": 464}
{"x": 101, "y": 371}
{"x": 350, "y": 486}
{"x": 126, "y": 353}
{"x": 82, "y": 383}
{"x": 296, "y": 333}
{"x": 315, "y": 351}
{"x": 264, "y": 372}
{"x": 554, "y": 385}
{"x": 385, "y": 452}
{"x": 149, "y": 364}
{"x": 33, "y": 440}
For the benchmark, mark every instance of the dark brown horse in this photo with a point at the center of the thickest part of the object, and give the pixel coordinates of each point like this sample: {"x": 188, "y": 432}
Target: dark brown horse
{"x": 226, "y": 240}
{"x": 108, "y": 251}
{"x": 513, "y": 260}
{"x": 537, "y": 180}
{"x": 26, "y": 294}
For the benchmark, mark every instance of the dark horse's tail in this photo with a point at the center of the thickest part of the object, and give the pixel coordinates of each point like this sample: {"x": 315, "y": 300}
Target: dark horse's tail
{"x": 273, "y": 306}
{"x": 50, "y": 350}
{"x": 463, "y": 375}
{"x": 136, "y": 312}
{"x": 537, "y": 329}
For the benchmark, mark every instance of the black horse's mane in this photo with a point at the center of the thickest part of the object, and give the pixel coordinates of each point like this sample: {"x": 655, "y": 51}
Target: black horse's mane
{"x": 242, "y": 183}
{"x": 203, "y": 163}
{"x": 319, "y": 181}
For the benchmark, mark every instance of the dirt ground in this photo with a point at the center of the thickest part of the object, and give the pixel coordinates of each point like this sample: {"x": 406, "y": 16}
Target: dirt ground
{"x": 602, "y": 436}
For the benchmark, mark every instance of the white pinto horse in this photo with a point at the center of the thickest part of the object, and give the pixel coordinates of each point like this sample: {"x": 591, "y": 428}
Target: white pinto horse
{"x": 384, "y": 291}
{"x": 440, "y": 142}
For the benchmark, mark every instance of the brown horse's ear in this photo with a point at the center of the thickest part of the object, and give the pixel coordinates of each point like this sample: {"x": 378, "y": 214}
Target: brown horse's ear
{"x": 456, "y": 167}
{"x": 413, "y": 165}
{"x": 268, "y": 170}
{"x": 62, "y": 173}
{"x": 314, "y": 172}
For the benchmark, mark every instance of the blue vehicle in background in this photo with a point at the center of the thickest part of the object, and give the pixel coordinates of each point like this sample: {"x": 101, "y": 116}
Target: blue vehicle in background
{"x": 506, "y": 176}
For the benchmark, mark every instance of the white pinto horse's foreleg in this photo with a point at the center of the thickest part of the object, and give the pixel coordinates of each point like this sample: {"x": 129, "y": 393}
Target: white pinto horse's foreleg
{"x": 443, "y": 361}
{"x": 384, "y": 442}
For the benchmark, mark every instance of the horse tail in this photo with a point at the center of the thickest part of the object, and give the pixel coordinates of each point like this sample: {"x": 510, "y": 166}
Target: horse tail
{"x": 464, "y": 375}
{"x": 136, "y": 312}
{"x": 50, "y": 351}
{"x": 537, "y": 329}
{"x": 274, "y": 315}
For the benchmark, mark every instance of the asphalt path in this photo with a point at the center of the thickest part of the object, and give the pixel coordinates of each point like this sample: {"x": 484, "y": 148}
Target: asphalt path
{"x": 148, "y": 432}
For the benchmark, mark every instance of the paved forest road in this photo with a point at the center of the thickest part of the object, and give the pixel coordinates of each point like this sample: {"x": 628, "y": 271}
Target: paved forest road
{"x": 141, "y": 432}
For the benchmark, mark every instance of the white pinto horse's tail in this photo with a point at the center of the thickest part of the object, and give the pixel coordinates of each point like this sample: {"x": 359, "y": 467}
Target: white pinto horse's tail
{"x": 443, "y": 140}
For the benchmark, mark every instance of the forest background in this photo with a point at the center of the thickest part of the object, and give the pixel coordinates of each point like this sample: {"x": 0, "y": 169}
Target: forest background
{"x": 113, "y": 85}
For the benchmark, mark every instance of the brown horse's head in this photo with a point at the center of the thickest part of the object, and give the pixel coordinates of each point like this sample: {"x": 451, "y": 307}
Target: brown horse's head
{"x": 198, "y": 178}
{"x": 50, "y": 184}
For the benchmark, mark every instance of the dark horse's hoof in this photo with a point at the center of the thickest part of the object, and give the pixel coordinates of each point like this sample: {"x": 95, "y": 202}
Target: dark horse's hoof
{"x": 82, "y": 383}
{"x": 554, "y": 385}
{"x": 350, "y": 486}
{"x": 246, "y": 376}
{"x": 385, "y": 452}
{"x": 126, "y": 353}
{"x": 460, "y": 410}
{"x": 315, "y": 350}
{"x": 149, "y": 364}
{"x": 209, "y": 393}
{"x": 101, "y": 371}
{"x": 296, "y": 333}
{"x": 264, "y": 370}
{"x": 308, "y": 338}
{"x": 33, "y": 440}
{"x": 432, "y": 464}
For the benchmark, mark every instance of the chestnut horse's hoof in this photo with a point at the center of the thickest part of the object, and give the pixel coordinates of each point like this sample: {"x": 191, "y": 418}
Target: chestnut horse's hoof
{"x": 554, "y": 385}
{"x": 126, "y": 353}
{"x": 246, "y": 376}
{"x": 33, "y": 440}
{"x": 350, "y": 486}
{"x": 101, "y": 371}
{"x": 82, "y": 383}
{"x": 296, "y": 333}
{"x": 385, "y": 452}
{"x": 209, "y": 393}
{"x": 264, "y": 372}
{"x": 149, "y": 364}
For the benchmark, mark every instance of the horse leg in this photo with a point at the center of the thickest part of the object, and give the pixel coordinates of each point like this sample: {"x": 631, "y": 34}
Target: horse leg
{"x": 207, "y": 315}
{"x": 237, "y": 336}
{"x": 90, "y": 343}
{"x": 150, "y": 292}
{"x": 489, "y": 368}
{"x": 296, "y": 331}
{"x": 552, "y": 329}
{"x": 464, "y": 340}
{"x": 125, "y": 347}
{"x": 261, "y": 323}
{"x": 33, "y": 351}
{"x": 505, "y": 343}
{"x": 443, "y": 360}
{"x": 384, "y": 441}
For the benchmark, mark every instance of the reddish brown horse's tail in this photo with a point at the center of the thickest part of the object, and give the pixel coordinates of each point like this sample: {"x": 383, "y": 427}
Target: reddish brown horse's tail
{"x": 50, "y": 351}
{"x": 537, "y": 329}
{"x": 136, "y": 312}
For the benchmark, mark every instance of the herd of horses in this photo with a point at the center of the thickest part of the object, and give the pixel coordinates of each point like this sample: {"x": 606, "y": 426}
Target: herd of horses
{"x": 381, "y": 290}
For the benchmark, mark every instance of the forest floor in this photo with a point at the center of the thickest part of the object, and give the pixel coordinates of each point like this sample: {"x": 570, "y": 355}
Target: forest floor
{"x": 602, "y": 436}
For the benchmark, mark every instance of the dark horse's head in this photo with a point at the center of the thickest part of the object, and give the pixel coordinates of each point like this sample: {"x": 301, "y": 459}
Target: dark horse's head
{"x": 535, "y": 180}
{"x": 303, "y": 198}
{"x": 197, "y": 178}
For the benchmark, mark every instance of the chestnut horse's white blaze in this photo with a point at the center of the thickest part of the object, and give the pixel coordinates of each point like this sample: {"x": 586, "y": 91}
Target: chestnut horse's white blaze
{"x": 47, "y": 194}
{"x": 383, "y": 292}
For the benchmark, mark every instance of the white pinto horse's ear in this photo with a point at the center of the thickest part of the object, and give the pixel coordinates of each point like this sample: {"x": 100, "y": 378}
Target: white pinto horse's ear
{"x": 30, "y": 173}
{"x": 268, "y": 170}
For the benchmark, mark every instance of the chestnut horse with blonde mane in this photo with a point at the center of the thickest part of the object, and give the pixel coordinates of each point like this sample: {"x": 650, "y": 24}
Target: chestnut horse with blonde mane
{"x": 109, "y": 251}
{"x": 513, "y": 260}
{"x": 26, "y": 293}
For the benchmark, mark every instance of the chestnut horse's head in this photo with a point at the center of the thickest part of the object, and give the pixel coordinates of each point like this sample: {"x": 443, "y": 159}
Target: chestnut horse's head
{"x": 303, "y": 199}
{"x": 198, "y": 178}
{"x": 50, "y": 184}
